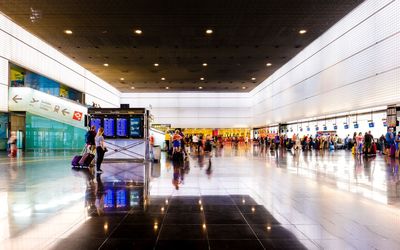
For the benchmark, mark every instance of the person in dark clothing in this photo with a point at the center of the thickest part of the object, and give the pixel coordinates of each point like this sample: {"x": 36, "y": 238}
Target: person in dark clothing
{"x": 368, "y": 138}
{"x": 90, "y": 135}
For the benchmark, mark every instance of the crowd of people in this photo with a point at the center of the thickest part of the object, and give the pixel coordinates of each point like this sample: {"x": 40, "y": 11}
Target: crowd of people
{"x": 359, "y": 143}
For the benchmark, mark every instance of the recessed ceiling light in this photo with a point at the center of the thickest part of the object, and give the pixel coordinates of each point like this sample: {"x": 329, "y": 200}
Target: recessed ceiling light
{"x": 105, "y": 65}
{"x": 205, "y": 64}
{"x": 269, "y": 64}
{"x": 200, "y": 87}
{"x": 302, "y": 32}
{"x": 68, "y": 32}
{"x": 156, "y": 64}
{"x": 162, "y": 78}
{"x": 253, "y": 79}
{"x": 209, "y": 31}
{"x": 122, "y": 78}
{"x": 132, "y": 87}
{"x": 244, "y": 87}
{"x": 166, "y": 87}
{"x": 202, "y": 78}
{"x": 139, "y": 32}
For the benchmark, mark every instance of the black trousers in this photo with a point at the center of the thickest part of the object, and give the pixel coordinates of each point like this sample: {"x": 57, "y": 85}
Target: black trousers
{"x": 167, "y": 144}
{"x": 100, "y": 156}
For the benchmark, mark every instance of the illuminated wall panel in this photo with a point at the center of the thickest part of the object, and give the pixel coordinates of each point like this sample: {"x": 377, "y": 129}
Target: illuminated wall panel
{"x": 195, "y": 110}
{"x": 353, "y": 65}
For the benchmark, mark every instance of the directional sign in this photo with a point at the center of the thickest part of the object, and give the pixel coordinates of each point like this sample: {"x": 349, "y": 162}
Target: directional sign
{"x": 65, "y": 112}
{"x": 45, "y": 105}
{"x": 16, "y": 98}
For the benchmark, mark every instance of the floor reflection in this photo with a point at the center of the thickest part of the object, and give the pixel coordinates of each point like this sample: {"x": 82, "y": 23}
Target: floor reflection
{"x": 323, "y": 199}
{"x": 186, "y": 222}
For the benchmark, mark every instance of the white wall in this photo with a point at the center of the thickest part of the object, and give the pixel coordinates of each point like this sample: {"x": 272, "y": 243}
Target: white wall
{"x": 3, "y": 85}
{"x": 26, "y": 50}
{"x": 195, "y": 110}
{"x": 354, "y": 65}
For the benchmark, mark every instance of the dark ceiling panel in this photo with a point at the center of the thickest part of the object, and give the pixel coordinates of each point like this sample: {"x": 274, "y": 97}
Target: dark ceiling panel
{"x": 247, "y": 35}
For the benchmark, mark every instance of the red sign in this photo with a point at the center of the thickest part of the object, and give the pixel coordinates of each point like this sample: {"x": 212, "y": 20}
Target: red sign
{"x": 77, "y": 116}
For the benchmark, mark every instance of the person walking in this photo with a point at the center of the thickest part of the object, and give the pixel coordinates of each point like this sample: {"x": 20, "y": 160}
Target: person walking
{"x": 12, "y": 141}
{"x": 100, "y": 149}
{"x": 167, "y": 139}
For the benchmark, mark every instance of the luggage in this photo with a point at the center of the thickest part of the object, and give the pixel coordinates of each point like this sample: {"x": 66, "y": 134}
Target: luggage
{"x": 75, "y": 160}
{"x": 86, "y": 160}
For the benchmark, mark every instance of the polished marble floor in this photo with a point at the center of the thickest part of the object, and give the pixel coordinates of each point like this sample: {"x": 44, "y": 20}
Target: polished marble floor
{"x": 247, "y": 197}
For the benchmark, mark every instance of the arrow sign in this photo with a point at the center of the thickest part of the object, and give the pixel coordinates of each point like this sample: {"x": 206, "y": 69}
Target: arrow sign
{"x": 16, "y": 98}
{"x": 64, "y": 111}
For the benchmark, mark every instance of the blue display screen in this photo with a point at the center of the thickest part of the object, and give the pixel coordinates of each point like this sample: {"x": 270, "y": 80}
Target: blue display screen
{"x": 355, "y": 125}
{"x": 371, "y": 124}
{"x": 346, "y": 126}
{"x": 317, "y": 128}
{"x": 325, "y": 128}
{"x": 136, "y": 127}
{"x": 109, "y": 127}
{"x": 335, "y": 127}
{"x": 122, "y": 127}
{"x": 308, "y": 129}
{"x": 108, "y": 198}
{"x": 121, "y": 198}
{"x": 95, "y": 122}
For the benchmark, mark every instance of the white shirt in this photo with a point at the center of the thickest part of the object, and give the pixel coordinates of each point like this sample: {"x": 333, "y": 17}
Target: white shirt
{"x": 195, "y": 139}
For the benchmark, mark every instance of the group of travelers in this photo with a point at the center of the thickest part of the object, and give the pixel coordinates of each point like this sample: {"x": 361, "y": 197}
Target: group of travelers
{"x": 359, "y": 143}
{"x": 179, "y": 142}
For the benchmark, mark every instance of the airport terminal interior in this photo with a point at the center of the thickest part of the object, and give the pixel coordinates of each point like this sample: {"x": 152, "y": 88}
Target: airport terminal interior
{"x": 239, "y": 124}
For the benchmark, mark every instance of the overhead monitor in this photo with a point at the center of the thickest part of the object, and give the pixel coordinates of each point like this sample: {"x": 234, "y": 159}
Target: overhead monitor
{"x": 136, "y": 127}
{"x": 109, "y": 127}
{"x": 95, "y": 122}
{"x": 122, "y": 127}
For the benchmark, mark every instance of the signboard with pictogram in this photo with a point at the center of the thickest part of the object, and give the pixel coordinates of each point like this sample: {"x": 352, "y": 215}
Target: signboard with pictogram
{"x": 45, "y": 105}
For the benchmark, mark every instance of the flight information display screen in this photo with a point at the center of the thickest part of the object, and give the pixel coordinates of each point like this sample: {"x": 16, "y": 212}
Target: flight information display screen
{"x": 121, "y": 198}
{"x": 109, "y": 127}
{"x": 109, "y": 198}
{"x": 95, "y": 122}
{"x": 136, "y": 127}
{"x": 122, "y": 127}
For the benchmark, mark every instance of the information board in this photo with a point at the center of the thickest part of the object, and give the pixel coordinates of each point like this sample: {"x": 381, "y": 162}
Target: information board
{"x": 109, "y": 199}
{"x": 121, "y": 198}
{"x": 136, "y": 127}
{"x": 109, "y": 127}
{"x": 122, "y": 127}
{"x": 95, "y": 122}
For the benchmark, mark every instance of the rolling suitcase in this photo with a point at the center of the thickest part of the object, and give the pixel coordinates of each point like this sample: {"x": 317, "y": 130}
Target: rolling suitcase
{"x": 75, "y": 160}
{"x": 86, "y": 160}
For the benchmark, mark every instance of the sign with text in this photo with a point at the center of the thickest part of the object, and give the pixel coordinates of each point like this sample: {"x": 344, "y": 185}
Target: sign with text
{"x": 48, "y": 106}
